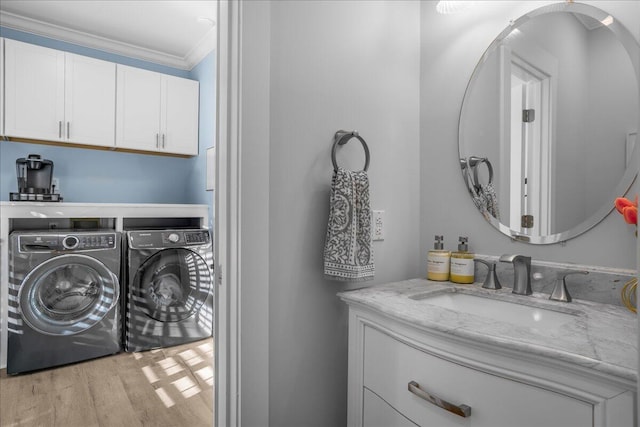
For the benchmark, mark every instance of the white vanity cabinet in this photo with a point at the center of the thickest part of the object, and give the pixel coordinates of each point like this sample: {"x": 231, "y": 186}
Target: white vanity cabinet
{"x": 395, "y": 369}
{"x": 156, "y": 112}
{"x": 58, "y": 96}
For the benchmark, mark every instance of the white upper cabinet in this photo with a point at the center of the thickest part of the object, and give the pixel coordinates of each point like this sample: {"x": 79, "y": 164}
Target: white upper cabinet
{"x": 90, "y": 100}
{"x": 180, "y": 114}
{"x": 138, "y": 109}
{"x": 156, "y": 112}
{"x": 51, "y": 95}
{"x": 58, "y": 96}
{"x": 34, "y": 91}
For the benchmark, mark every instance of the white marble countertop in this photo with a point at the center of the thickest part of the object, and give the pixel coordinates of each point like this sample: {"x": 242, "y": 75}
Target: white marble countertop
{"x": 602, "y": 337}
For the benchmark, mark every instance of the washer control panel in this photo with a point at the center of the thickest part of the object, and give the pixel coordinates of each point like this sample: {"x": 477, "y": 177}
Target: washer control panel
{"x": 67, "y": 242}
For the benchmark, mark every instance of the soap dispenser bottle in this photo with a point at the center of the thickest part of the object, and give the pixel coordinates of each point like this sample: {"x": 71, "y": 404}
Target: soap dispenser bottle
{"x": 438, "y": 261}
{"x": 462, "y": 265}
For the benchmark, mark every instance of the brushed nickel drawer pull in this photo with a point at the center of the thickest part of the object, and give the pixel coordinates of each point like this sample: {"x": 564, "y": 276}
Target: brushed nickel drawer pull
{"x": 157, "y": 140}
{"x": 462, "y": 410}
{"x": 68, "y": 132}
{"x": 163, "y": 140}
{"x": 60, "y": 129}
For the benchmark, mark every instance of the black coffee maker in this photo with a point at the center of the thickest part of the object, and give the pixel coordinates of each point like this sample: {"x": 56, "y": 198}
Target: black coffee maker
{"x": 34, "y": 180}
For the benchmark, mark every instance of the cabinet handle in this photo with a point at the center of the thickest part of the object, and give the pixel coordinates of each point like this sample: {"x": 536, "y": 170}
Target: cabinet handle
{"x": 157, "y": 140}
{"x": 462, "y": 410}
{"x": 163, "y": 140}
{"x": 60, "y": 129}
{"x": 68, "y": 132}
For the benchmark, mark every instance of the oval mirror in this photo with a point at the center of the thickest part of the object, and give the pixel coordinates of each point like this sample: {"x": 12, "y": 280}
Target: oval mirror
{"x": 549, "y": 123}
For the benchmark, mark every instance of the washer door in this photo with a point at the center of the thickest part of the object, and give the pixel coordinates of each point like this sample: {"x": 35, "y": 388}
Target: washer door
{"x": 67, "y": 294}
{"x": 172, "y": 285}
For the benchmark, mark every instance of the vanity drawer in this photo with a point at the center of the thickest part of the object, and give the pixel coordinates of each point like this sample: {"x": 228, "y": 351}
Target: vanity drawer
{"x": 378, "y": 413}
{"x": 389, "y": 366}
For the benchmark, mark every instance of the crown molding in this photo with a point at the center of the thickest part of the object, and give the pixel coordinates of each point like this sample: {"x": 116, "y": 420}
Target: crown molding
{"x": 33, "y": 26}
{"x": 206, "y": 45}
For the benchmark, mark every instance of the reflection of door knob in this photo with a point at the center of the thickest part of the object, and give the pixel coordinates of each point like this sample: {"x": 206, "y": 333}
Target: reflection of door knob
{"x": 173, "y": 237}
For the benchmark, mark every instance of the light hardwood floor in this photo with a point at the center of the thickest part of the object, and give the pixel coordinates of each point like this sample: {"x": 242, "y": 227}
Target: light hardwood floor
{"x": 170, "y": 387}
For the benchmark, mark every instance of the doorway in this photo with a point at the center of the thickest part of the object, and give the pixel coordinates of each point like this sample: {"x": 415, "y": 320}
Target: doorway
{"x": 530, "y": 147}
{"x": 528, "y": 96}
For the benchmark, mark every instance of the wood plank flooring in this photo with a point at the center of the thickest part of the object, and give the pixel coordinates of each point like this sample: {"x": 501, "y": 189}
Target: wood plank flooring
{"x": 170, "y": 387}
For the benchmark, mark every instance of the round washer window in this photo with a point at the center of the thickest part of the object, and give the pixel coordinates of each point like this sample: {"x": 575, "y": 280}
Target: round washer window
{"x": 67, "y": 294}
{"x": 172, "y": 285}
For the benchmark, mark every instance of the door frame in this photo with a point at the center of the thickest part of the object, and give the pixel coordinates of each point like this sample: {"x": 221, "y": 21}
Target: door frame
{"x": 242, "y": 213}
{"x": 226, "y": 216}
{"x": 545, "y": 66}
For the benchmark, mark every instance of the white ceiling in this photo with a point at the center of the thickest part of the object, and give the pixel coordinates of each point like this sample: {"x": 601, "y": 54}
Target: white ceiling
{"x": 174, "y": 33}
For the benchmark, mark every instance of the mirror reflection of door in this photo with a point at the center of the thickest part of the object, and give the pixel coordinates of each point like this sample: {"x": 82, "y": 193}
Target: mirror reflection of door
{"x": 528, "y": 73}
{"x": 585, "y": 63}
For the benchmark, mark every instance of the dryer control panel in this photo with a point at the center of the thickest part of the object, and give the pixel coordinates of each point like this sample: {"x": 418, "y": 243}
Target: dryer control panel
{"x": 168, "y": 238}
{"x": 67, "y": 242}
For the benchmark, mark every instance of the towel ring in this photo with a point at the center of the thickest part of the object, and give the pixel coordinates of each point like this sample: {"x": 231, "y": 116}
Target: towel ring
{"x": 341, "y": 138}
{"x": 473, "y": 162}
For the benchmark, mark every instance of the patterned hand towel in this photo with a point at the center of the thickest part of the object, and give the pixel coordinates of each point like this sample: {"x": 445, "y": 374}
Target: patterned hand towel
{"x": 491, "y": 200}
{"x": 347, "y": 250}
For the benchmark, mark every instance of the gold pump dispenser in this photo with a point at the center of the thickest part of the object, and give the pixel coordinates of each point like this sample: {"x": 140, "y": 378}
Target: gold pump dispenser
{"x": 462, "y": 265}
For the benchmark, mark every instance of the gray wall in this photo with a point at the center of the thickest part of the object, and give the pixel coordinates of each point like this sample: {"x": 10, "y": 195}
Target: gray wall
{"x": 451, "y": 46}
{"x": 481, "y": 133}
{"x": 612, "y": 112}
{"x": 334, "y": 65}
{"x": 331, "y": 65}
{"x": 310, "y": 68}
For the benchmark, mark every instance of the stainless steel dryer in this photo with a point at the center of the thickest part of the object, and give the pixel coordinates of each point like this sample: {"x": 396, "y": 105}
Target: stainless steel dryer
{"x": 63, "y": 298}
{"x": 169, "y": 281}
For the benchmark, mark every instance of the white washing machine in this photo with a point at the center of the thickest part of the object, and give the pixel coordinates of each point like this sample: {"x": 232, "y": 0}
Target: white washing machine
{"x": 63, "y": 298}
{"x": 169, "y": 288}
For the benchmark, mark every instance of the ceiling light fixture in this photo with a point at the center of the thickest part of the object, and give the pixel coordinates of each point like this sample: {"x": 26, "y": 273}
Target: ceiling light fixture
{"x": 449, "y": 7}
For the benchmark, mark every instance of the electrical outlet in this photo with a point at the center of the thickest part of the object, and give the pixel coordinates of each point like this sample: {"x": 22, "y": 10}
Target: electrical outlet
{"x": 55, "y": 184}
{"x": 378, "y": 225}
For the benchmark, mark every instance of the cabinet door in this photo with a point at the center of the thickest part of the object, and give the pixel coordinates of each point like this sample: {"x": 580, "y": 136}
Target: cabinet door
{"x": 180, "y": 105}
{"x": 137, "y": 109}
{"x": 34, "y": 91}
{"x": 90, "y": 101}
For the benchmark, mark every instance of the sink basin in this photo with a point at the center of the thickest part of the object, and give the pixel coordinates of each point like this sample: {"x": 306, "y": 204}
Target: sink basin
{"x": 515, "y": 313}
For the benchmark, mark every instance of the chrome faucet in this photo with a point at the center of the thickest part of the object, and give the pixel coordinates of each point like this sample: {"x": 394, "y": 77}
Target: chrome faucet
{"x": 522, "y": 273}
{"x": 560, "y": 292}
{"x": 491, "y": 281}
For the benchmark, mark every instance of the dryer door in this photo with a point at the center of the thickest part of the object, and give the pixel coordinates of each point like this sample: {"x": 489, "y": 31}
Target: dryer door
{"x": 67, "y": 294}
{"x": 172, "y": 285}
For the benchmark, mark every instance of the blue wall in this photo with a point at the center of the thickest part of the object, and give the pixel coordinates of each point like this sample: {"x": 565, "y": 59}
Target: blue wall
{"x": 205, "y": 73}
{"x": 98, "y": 176}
